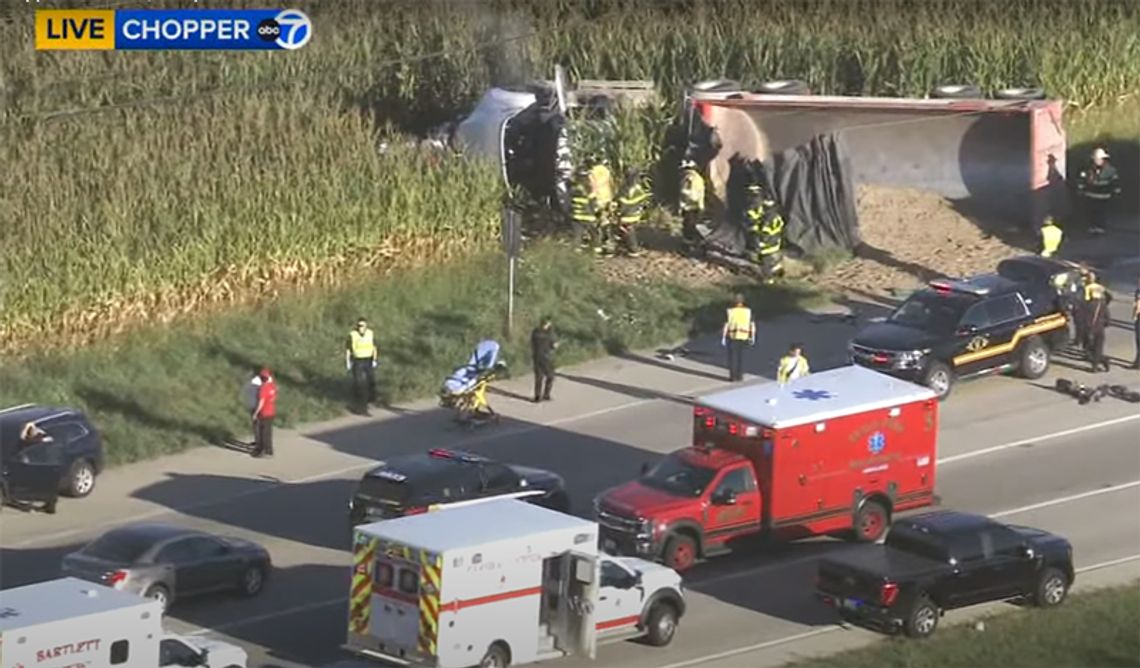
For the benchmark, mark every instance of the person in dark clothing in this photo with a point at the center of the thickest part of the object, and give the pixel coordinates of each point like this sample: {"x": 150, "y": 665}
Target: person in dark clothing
{"x": 543, "y": 342}
{"x": 1098, "y": 319}
{"x": 1098, "y": 184}
{"x": 1136, "y": 323}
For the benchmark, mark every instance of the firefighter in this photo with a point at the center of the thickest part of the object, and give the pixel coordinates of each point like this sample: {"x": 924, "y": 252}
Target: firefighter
{"x": 1098, "y": 184}
{"x": 768, "y": 227}
{"x": 632, "y": 202}
{"x": 602, "y": 190}
{"x": 793, "y": 365}
{"x": 1051, "y": 235}
{"x": 739, "y": 331}
{"x": 583, "y": 209}
{"x": 692, "y": 201}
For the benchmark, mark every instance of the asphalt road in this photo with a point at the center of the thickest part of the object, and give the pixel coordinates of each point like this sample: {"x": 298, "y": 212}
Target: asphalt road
{"x": 1007, "y": 446}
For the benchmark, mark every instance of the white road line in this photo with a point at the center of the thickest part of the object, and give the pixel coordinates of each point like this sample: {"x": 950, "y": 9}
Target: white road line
{"x": 1068, "y": 499}
{"x": 729, "y": 576}
{"x": 831, "y": 629}
{"x": 1038, "y": 439}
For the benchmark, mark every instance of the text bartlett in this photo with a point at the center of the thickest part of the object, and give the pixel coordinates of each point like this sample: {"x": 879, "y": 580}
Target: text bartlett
{"x": 172, "y": 29}
{"x": 65, "y": 650}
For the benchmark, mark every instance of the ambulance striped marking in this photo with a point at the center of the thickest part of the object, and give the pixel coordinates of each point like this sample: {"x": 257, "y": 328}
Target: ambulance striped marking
{"x": 431, "y": 577}
{"x": 1044, "y": 324}
{"x": 615, "y": 623}
{"x": 457, "y": 605}
{"x": 360, "y": 601}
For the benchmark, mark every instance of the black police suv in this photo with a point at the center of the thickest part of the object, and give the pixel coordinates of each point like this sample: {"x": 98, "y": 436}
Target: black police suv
{"x": 954, "y": 329}
{"x": 940, "y": 561}
{"x": 411, "y": 484}
{"x": 62, "y": 452}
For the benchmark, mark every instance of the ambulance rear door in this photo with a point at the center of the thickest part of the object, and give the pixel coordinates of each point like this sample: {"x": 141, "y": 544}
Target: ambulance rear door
{"x": 581, "y": 573}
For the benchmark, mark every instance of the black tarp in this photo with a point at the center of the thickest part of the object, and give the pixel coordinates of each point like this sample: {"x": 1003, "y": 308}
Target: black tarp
{"x": 813, "y": 186}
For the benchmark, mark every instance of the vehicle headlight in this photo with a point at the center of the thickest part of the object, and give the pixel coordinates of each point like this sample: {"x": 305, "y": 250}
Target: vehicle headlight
{"x": 644, "y": 526}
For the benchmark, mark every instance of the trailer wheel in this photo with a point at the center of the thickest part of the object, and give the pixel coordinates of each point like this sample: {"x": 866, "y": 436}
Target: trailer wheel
{"x": 1033, "y": 359}
{"x": 497, "y": 656}
{"x": 871, "y": 522}
{"x": 680, "y": 553}
{"x": 783, "y": 87}
{"x": 1020, "y": 94}
{"x": 957, "y": 92}
{"x": 662, "y": 624}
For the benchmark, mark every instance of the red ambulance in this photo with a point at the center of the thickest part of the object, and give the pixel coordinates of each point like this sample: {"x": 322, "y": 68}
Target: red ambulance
{"x": 833, "y": 451}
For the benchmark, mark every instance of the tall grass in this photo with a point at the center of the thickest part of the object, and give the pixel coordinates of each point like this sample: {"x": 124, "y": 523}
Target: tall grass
{"x": 207, "y": 175}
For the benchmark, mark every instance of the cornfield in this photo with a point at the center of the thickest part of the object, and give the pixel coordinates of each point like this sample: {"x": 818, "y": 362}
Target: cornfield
{"x": 135, "y": 175}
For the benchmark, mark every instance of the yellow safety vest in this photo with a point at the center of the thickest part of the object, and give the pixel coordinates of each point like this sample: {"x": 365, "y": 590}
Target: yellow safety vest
{"x": 1050, "y": 240}
{"x": 1093, "y": 291}
{"x": 740, "y": 323}
{"x": 692, "y": 191}
{"x": 792, "y": 368}
{"x": 362, "y": 345}
{"x": 602, "y": 185}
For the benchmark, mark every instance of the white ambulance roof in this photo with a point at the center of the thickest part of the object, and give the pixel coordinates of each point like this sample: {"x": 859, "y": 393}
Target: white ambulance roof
{"x": 816, "y": 397}
{"x": 65, "y": 598}
{"x": 474, "y": 525}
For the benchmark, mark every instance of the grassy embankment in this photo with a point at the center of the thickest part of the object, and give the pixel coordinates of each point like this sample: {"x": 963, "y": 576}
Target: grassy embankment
{"x": 214, "y": 179}
{"x": 1096, "y": 629}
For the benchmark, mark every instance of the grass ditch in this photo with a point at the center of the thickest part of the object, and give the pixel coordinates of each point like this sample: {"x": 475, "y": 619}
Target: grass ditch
{"x": 1096, "y": 628}
{"x": 169, "y": 388}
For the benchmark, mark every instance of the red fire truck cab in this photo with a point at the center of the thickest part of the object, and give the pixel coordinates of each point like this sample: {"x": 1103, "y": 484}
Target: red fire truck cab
{"x": 833, "y": 451}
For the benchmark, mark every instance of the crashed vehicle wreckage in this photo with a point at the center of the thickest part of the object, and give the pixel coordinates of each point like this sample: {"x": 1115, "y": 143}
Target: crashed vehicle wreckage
{"x": 998, "y": 158}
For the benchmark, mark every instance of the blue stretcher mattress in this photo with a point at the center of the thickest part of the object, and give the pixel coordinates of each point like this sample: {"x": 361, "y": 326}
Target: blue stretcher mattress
{"x": 465, "y": 378}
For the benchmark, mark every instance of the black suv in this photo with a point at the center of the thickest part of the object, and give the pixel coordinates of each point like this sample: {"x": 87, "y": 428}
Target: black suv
{"x": 1012, "y": 319}
{"x": 941, "y": 561}
{"x": 411, "y": 484}
{"x": 64, "y": 454}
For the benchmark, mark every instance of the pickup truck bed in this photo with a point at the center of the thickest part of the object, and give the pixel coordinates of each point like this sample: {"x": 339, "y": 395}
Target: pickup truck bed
{"x": 872, "y": 565}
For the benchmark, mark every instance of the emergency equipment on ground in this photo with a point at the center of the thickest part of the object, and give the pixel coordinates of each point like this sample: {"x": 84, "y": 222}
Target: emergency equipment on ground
{"x": 840, "y": 449}
{"x": 499, "y": 583}
{"x": 465, "y": 390}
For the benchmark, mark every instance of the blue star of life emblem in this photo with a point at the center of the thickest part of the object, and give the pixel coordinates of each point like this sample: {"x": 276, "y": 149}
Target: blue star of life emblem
{"x": 877, "y": 442}
{"x": 812, "y": 395}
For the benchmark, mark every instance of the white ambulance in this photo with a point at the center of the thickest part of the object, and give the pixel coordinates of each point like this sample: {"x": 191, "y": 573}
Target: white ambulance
{"x": 499, "y": 583}
{"x": 71, "y": 623}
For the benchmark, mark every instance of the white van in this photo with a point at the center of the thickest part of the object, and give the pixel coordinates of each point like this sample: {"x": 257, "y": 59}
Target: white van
{"x": 499, "y": 583}
{"x": 71, "y": 623}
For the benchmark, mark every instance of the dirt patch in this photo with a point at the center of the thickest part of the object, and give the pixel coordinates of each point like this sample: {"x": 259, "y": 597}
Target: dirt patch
{"x": 909, "y": 238}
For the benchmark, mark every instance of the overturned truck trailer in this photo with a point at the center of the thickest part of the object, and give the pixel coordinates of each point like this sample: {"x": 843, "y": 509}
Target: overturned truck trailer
{"x": 1002, "y": 160}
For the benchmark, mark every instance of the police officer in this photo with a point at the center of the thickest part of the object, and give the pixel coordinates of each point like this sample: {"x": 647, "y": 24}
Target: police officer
{"x": 692, "y": 201}
{"x": 739, "y": 331}
{"x": 543, "y": 343}
{"x": 1098, "y": 184}
{"x": 360, "y": 360}
{"x": 1051, "y": 235}
{"x": 632, "y": 204}
{"x": 793, "y": 365}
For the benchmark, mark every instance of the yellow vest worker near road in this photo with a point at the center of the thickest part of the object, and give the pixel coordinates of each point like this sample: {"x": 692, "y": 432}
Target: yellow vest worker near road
{"x": 739, "y": 331}
{"x": 360, "y": 360}
{"x": 793, "y": 365}
{"x": 1051, "y": 235}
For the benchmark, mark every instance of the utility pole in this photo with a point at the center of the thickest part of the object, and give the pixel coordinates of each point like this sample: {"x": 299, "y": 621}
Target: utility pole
{"x": 511, "y": 222}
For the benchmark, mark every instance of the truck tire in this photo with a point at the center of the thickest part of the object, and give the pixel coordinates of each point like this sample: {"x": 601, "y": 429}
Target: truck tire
{"x": 1028, "y": 93}
{"x": 680, "y": 553}
{"x": 1052, "y": 588}
{"x": 80, "y": 480}
{"x": 497, "y": 656}
{"x": 922, "y": 619}
{"x": 957, "y": 92}
{"x": 871, "y": 521}
{"x": 938, "y": 377}
{"x": 783, "y": 87}
{"x": 1033, "y": 358}
{"x": 661, "y": 624}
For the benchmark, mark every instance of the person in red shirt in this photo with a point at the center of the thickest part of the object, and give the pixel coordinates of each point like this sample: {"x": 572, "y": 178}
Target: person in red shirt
{"x": 263, "y": 415}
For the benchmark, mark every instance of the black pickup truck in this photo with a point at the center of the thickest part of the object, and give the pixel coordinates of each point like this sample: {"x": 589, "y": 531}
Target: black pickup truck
{"x": 943, "y": 560}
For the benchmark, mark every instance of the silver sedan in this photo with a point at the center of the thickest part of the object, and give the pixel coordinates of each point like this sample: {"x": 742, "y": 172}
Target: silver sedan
{"x": 167, "y": 563}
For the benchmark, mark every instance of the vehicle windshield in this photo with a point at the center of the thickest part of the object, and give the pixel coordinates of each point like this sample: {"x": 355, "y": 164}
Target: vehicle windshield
{"x": 931, "y": 312}
{"x": 913, "y": 542}
{"x": 676, "y": 476}
{"x": 119, "y": 547}
{"x": 382, "y": 489}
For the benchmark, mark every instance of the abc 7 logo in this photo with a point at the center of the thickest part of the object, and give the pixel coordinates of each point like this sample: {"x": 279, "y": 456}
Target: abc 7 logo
{"x": 290, "y": 29}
